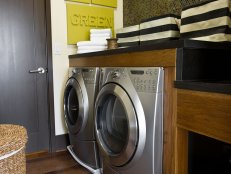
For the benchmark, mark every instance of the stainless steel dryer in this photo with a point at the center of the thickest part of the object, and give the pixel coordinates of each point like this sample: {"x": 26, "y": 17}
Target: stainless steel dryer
{"x": 128, "y": 120}
{"x": 79, "y": 100}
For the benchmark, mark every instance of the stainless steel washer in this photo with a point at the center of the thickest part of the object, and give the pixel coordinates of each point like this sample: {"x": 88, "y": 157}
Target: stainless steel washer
{"x": 128, "y": 120}
{"x": 79, "y": 99}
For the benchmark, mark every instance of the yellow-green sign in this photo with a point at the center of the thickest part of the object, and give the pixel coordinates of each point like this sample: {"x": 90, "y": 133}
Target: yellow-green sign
{"x": 81, "y": 18}
{"x": 84, "y": 1}
{"x": 109, "y": 3}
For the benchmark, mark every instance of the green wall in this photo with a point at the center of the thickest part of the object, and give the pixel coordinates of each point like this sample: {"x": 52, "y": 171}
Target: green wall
{"x": 137, "y": 10}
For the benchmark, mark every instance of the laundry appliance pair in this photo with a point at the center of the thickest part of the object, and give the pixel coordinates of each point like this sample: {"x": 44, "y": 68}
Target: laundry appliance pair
{"x": 126, "y": 119}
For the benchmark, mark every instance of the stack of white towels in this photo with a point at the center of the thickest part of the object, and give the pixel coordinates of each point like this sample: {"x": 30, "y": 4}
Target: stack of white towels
{"x": 98, "y": 41}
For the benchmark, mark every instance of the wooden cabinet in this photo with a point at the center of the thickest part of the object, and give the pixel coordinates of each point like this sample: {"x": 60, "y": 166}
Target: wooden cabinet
{"x": 205, "y": 113}
{"x": 184, "y": 110}
{"x": 153, "y": 58}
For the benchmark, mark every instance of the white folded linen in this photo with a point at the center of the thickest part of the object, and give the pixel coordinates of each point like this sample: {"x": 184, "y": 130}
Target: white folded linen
{"x": 106, "y": 30}
{"x": 99, "y": 39}
{"x": 92, "y": 47}
{"x": 100, "y": 42}
{"x": 100, "y": 35}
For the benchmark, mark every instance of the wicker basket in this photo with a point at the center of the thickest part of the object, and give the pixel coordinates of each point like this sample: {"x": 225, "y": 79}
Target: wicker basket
{"x": 13, "y": 139}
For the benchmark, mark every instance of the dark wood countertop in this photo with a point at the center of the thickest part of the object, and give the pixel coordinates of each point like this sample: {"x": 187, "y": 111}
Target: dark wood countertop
{"x": 194, "y": 60}
{"x": 173, "y": 44}
{"x": 166, "y": 54}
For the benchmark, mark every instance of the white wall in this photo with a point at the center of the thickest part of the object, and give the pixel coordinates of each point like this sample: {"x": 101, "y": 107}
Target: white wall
{"x": 118, "y": 23}
{"x": 60, "y": 55}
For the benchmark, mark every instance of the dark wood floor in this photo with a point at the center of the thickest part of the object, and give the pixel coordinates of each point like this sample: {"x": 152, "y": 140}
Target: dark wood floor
{"x": 58, "y": 163}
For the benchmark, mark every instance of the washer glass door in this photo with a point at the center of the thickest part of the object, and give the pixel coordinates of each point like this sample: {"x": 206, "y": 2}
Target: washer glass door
{"x": 116, "y": 124}
{"x": 72, "y": 106}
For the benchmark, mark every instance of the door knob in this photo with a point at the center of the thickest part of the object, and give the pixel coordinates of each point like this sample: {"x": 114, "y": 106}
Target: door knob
{"x": 40, "y": 70}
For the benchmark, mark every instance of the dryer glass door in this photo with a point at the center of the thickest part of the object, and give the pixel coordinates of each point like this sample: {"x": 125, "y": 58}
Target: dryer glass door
{"x": 73, "y": 106}
{"x": 116, "y": 124}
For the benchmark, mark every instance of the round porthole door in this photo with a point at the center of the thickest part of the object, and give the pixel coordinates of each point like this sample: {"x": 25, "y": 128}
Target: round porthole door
{"x": 116, "y": 124}
{"x": 75, "y": 106}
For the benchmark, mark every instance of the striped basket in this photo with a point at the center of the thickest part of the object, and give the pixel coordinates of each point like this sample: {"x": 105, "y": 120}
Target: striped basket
{"x": 208, "y": 21}
{"x": 159, "y": 29}
{"x": 12, "y": 149}
{"x": 128, "y": 36}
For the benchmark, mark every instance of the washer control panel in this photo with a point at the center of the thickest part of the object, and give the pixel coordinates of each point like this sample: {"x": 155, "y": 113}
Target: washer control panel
{"x": 88, "y": 74}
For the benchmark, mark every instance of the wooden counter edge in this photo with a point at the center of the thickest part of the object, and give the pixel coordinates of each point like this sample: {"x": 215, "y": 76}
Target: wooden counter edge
{"x": 155, "y": 58}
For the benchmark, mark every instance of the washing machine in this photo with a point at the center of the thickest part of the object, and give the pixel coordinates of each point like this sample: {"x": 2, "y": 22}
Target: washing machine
{"x": 79, "y": 99}
{"x": 129, "y": 120}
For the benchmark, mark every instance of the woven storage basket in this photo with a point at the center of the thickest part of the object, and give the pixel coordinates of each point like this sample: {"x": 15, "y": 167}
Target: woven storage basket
{"x": 12, "y": 149}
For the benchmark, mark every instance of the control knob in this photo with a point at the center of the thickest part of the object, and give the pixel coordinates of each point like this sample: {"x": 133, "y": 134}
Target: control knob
{"x": 115, "y": 74}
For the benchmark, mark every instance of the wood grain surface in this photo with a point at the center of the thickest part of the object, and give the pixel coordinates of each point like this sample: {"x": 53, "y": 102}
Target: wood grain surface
{"x": 205, "y": 113}
{"x": 54, "y": 163}
{"x": 163, "y": 58}
{"x": 181, "y": 151}
{"x": 169, "y": 121}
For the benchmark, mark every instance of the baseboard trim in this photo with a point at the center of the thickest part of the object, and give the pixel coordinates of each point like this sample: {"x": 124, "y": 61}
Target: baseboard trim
{"x": 36, "y": 155}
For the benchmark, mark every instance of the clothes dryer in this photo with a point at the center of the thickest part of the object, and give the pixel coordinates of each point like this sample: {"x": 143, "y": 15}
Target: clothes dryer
{"x": 129, "y": 120}
{"x": 79, "y": 99}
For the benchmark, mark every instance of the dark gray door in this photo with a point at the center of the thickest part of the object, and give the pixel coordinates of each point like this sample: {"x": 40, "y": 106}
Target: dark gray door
{"x": 24, "y": 95}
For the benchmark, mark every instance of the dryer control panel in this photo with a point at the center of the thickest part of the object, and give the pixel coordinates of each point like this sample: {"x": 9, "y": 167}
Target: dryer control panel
{"x": 146, "y": 79}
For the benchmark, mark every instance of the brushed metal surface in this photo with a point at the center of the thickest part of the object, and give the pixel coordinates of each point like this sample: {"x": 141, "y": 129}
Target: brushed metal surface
{"x": 144, "y": 89}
